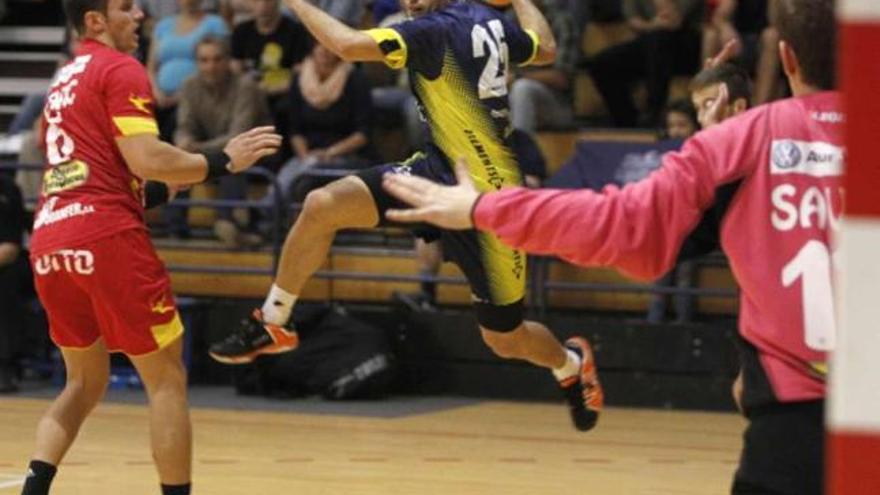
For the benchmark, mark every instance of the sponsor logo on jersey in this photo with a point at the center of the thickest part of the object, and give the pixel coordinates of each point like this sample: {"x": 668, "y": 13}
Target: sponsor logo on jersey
{"x": 65, "y": 176}
{"x": 140, "y": 103}
{"x": 79, "y": 261}
{"x": 77, "y": 66}
{"x": 49, "y": 215}
{"x": 813, "y": 158}
{"x": 828, "y": 117}
{"x": 786, "y": 154}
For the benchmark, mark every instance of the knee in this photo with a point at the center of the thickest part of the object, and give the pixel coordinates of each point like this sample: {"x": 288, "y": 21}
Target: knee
{"x": 171, "y": 381}
{"x": 504, "y": 344}
{"x": 319, "y": 206}
{"x": 87, "y": 391}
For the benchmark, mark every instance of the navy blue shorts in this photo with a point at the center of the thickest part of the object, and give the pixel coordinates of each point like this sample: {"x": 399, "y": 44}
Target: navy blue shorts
{"x": 496, "y": 273}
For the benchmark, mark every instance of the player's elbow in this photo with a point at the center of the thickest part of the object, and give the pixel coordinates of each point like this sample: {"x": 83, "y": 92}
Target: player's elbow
{"x": 546, "y": 53}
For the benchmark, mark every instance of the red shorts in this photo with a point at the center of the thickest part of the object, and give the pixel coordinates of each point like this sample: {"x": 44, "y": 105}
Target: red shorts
{"x": 115, "y": 288}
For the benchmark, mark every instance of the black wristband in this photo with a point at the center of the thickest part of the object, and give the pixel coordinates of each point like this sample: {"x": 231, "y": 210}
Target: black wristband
{"x": 217, "y": 164}
{"x": 155, "y": 194}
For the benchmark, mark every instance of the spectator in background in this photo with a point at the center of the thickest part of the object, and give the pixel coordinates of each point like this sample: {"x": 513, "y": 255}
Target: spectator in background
{"x": 330, "y": 120}
{"x": 172, "y": 57}
{"x": 215, "y": 105}
{"x": 13, "y": 275}
{"x": 266, "y": 49}
{"x": 393, "y": 95}
{"x": 667, "y": 43}
{"x": 739, "y": 20}
{"x": 681, "y": 123}
{"x": 543, "y": 95}
{"x": 680, "y": 120}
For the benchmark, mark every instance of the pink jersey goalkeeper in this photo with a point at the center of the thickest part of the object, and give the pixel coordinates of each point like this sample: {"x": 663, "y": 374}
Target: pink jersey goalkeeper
{"x": 787, "y": 158}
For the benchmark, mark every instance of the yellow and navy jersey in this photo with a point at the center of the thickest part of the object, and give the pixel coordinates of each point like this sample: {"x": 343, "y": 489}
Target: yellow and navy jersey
{"x": 459, "y": 59}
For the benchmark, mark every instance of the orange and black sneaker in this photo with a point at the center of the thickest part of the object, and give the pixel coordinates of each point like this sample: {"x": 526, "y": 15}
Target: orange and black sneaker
{"x": 253, "y": 338}
{"x": 583, "y": 391}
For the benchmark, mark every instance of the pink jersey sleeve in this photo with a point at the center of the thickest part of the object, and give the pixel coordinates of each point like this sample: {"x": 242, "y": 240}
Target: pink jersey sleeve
{"x": 638, "y": 229}
{"x": 129, "y": 99}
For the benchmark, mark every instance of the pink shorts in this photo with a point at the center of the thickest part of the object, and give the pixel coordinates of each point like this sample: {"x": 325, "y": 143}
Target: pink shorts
{"x": 115, "y": 288}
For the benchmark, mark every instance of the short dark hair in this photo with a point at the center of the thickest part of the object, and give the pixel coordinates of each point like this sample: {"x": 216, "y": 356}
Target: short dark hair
{"x": 809, "y": 27}
{"x": 75, "y": 10}
{"x": 218, "y": 41}
{"x": 682, "y": 106}
{"x": 736, "y": 79}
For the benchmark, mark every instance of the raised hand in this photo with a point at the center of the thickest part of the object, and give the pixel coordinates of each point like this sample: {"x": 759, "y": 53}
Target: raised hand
{"x": 245, "y": 149}
{"x": 445, "y": 206}
{"x": 717, "y": 111}
{"x": 730, "y": 50}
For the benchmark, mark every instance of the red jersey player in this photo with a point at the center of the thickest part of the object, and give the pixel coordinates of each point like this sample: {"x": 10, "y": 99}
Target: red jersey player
{"x": 786, "y": 160}
{"x": 97, "y": 275}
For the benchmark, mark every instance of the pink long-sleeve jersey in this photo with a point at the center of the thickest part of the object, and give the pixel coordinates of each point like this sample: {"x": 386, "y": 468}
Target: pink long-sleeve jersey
{"x": 777, "y": 231}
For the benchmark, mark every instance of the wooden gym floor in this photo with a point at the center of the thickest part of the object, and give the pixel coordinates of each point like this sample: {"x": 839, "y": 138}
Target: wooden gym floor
{"x": 397, "y": 446}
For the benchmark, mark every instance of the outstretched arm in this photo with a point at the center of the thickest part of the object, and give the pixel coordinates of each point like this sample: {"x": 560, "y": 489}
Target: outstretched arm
{"x": 638, "y": 229}
{"x": 348, "y": 43}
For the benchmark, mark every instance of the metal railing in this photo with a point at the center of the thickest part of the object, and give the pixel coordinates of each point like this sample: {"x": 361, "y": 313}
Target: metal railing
{"x": 539, "y": 286}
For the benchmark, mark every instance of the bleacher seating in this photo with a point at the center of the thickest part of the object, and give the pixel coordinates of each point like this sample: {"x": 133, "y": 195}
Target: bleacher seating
{"x": 28, "y": 56}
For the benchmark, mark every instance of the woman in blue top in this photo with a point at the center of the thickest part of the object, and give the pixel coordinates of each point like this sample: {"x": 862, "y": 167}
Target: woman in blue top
{"x": 172, "y": 56}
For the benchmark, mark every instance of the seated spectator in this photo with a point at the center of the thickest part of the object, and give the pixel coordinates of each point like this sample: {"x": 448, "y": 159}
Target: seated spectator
{"x": 266, "y": 49}
{"x": 739, "y": 20}
{"x": 329, "y": 121}
{"x": 681, "y": 120}
{"x": 215, "y": 105}
{"x": 667, "y": 43}
{"x": 542, "y": 96}
{"x": 393, "y": 97}
{"x": 681, "y": 123}
{"x": 14, "y": 274}
{"x": 172, "y": 57}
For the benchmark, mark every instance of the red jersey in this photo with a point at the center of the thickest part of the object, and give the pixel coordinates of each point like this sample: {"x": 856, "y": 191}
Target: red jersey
{"x": 88, "y": 191}
{"x": 788, "y": 159}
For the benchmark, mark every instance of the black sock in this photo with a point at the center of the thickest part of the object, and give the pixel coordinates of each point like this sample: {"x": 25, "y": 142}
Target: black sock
{"x": 39, "y": 478}
{"x": 176, "y": 489}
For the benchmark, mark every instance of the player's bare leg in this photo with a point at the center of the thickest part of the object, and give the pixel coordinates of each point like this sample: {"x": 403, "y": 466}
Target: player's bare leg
{"x": 164, "y": 378}
{"x": 345, "y": 203}
{"x": 88, "y": 373}
{"x": 572, "y": 364}
{"x": 531, "y": 341}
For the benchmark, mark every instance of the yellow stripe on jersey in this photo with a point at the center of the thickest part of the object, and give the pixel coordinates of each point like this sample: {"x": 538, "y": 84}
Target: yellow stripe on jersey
{"x": 462, "y": 126}
{"x": 167, "y": 333}
{"x": 130, "y": 126}
{"x": 392, "y": 45}
{"x": 536, "y": 42}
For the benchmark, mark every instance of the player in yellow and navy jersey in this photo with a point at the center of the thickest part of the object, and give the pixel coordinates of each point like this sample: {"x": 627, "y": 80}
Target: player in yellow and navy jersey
{"x": 459, "y": 55}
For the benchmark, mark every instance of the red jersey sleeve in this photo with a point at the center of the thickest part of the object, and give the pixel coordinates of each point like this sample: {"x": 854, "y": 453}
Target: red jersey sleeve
{"x": 638, "y": 229}
{"x": 129, "y": 99}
